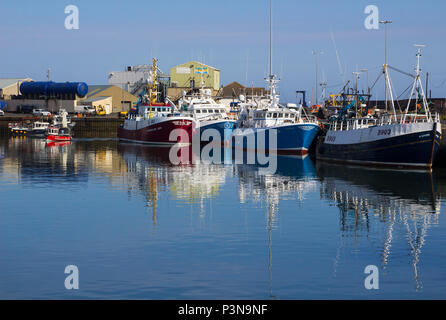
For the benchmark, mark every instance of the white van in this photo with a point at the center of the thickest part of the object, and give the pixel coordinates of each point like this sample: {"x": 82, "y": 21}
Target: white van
{"x": 85, "y": 109}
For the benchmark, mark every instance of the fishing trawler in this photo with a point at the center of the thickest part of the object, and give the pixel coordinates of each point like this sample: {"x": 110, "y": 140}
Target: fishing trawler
{"x": 155, "y": 121}
{"x": 294, "y": 129}
{"x": 408, "y": 140}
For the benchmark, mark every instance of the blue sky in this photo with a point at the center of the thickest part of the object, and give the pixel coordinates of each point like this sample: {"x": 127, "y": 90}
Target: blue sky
{"x": 230, "y": 35}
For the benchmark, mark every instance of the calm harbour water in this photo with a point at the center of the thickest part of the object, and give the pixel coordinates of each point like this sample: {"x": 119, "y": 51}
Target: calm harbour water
{"x": 138, "y": 227}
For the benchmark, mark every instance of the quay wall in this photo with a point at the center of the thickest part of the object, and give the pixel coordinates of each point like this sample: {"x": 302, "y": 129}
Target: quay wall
{"x": 440, "y": 160}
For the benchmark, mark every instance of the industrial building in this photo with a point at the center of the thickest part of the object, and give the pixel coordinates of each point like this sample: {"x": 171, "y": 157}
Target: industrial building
{"x": 193, "y": 75}
{"x": 135, "y": 78}
{"x": 48, "y": 95}
{"x": 234, "y": 90}
{"x": 111, "y": 97}
{"x": 24, "y": 94}
{"x": 10, "y": 87}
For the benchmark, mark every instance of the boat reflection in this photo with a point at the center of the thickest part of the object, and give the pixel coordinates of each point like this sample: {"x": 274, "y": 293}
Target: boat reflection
{"x": 294, "y": 178}
{"x": 150, "y": 168}
{"x": 34, "y": 162}
{"x": 371, "y": 199}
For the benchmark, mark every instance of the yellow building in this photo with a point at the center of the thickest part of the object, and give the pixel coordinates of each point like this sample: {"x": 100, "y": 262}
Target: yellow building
{"x": 121, "y": 100}
{"x": 192, "y": 74}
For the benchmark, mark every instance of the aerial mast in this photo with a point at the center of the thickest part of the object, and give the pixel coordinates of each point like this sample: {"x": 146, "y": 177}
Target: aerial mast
{"x": 271, "y": 78}
{"x": 417, "y": 85}
{"x": 271, "y": 39}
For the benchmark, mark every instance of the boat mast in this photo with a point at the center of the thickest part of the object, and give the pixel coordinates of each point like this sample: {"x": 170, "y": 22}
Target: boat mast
{"x": 388, "y": 86}
{"x": 271, "y": 39}
{"x": 356, "y": 92}
{"x": 272, "y": 81}
{"x": 152, "y": 89}
{"x": 417, "y": 85}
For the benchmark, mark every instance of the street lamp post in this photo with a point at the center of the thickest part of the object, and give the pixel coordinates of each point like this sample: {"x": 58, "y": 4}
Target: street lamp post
{"x": 316, "y": 53}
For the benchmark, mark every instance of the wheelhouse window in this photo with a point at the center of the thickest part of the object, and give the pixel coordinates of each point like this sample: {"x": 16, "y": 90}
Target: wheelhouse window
{"x": 275, "y": 115}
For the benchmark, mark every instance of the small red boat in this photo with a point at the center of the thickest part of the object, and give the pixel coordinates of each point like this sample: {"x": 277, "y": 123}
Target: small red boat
{"x": 56, "y": 134}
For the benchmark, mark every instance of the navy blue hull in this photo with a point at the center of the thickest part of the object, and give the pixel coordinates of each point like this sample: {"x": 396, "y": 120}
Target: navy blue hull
{"x": 410, "y": 150}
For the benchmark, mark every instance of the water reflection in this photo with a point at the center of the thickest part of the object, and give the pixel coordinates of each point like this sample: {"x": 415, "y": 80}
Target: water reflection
{"x": 294, "y": 178}
{"x": 387, "y": 213}
{"x": 370, "y": 199}
{"x": 149, "y": 170}
{"x": 33, "y": 163}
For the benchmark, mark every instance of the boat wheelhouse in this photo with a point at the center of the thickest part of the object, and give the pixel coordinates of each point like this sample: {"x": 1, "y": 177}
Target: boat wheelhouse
{"x": 56, "y": 133}
{"x": 39, "y": 128}
{"x": 208, "y": 113}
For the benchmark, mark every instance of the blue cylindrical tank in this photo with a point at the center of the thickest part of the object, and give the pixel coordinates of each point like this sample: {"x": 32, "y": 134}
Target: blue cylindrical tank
{"x": 51, "y": 88}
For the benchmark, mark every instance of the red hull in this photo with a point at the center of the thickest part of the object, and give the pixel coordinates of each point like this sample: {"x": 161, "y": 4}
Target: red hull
{"x": 56, "y": 138}
{"x": 159, "y": 133}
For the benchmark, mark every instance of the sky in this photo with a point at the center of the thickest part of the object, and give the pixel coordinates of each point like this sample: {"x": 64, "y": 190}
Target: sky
{"x": 231, "y": 35}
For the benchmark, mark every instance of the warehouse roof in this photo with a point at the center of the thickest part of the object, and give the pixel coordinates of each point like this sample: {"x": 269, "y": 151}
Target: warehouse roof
{"x": 7, "y": 82}
{"x": 93, "y": 90}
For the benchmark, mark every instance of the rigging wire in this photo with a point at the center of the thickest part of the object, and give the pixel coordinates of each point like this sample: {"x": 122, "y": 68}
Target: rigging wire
{"x": 410, "y": 86}
{"x": 435, "y": 86}
{"x": 400, "y": 71}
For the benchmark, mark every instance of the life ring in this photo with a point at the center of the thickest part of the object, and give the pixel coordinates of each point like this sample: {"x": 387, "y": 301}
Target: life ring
{"x": 229, "y": 125}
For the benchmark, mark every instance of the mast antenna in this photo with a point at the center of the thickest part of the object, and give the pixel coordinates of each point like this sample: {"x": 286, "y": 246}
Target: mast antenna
{"x": 271, "y": 38}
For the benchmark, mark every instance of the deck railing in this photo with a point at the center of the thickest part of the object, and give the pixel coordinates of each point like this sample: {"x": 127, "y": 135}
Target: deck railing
{"x": 359, "y": 123}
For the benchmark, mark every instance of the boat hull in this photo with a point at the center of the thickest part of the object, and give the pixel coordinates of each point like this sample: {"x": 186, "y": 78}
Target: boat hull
{"x": 294, "y": 139}
{"x": 57, "y": 138}
{"x": 158, "y": 133}
{"x": 408, "y": 147}
{"x": 224, "y": 127}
